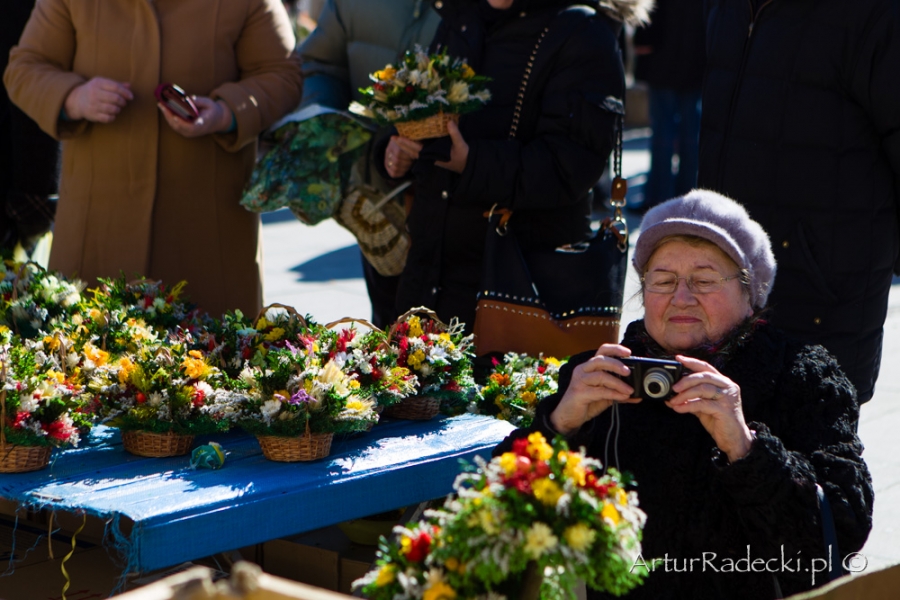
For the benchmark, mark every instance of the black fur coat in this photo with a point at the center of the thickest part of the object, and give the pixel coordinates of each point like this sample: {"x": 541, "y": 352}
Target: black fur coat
{"x": 802, "y": 408}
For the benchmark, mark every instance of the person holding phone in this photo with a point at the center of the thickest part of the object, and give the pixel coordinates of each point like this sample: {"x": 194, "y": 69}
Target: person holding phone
{"x": 143, "y": 190}
{"x": 727, "y": 467}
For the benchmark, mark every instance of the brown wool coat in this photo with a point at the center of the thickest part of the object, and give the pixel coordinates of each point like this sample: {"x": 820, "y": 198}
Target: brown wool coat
{"x": 135, "y": 196}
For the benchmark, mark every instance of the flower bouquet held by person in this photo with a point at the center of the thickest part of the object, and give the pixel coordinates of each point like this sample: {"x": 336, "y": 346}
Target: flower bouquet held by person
{"x": 298, "y": 400}
{"x": 529, "y": 524}
{"x": 38, "y": 406}
{"x": 516, "y": 385}
{"x": 439, "y": 355}
{"x": 422, "y": 93}
{"x": 159, "y": 396}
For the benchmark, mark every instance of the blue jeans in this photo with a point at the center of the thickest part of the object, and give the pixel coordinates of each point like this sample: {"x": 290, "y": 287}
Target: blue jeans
{"x": 675, "y": 119}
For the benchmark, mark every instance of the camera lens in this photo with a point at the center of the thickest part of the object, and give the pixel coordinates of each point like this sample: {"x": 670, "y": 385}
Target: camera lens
{"x": 657, "y": 383}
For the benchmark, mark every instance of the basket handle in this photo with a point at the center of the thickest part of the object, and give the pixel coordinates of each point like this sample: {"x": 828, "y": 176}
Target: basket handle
{"x": 290, "y": 309}
{"x": 352, "y": 320}
{"x": 419, "y": 310}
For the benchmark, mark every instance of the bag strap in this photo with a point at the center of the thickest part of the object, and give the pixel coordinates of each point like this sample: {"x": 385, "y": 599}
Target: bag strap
{"x": 619, "y": 186}
{"x": 835, "y": 568}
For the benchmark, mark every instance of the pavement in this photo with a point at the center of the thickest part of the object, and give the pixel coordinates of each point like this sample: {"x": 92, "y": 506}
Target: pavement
{"x": 317, "y": 270}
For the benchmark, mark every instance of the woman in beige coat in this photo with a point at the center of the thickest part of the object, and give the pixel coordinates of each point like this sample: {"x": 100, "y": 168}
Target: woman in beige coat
{"x": 142, "y": 192}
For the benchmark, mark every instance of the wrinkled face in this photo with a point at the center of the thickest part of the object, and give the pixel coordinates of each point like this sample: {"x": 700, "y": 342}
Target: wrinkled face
{"x": 683, "y": 320}
{"x": 500, "y": 4}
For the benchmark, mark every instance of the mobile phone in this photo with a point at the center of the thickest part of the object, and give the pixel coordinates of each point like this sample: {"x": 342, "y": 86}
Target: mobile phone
{"x": 177, "y": 101}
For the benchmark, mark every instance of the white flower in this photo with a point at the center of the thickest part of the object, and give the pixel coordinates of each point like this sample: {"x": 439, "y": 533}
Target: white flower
{"x": 275, "y": 314}
{"x": 459, "y": 92}
{"x": 28, "y": 403}
{"x": 155, "y": 399}
{"x": 269, "y": 409}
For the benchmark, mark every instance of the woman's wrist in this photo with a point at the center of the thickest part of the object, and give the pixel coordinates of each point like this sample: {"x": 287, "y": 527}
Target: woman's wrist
{"x": 227, "y": 122}
{"x": 743, "y": 446}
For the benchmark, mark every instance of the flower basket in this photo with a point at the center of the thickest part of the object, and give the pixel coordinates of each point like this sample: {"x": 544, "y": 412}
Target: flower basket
{"x": 431, "y": 127}
{"x": 22, "y": 459}
{"x": 422, "y": 93}
{"x": 414, "y": 408}
{"x": 156, "y": 445}
{"x": 304, "y": 448}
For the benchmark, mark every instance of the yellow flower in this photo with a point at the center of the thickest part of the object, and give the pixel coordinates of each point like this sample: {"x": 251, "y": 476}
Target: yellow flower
{"x": 51, "y": 343}
{"x": 552, "y": 361}
{"x": 415, "y": 327}
{"x": 357, "y": 405}
{"x": 609, "y": 512}
{"x": 621, "y": 497}
{"x": 261, "y": 324}
{"x": 546, "y": 491}
{"x": 439, "y": 591}
{"x": 405, "y": 545}
{"x": 467, "y": 71}
{"x": 57, "y": 376}
{"x": 499, "y": 400}
{"x": 488, "y": 522}
{"x": 574, "y": 470}
{"x": 538, "y": 446}
{"x": 194, "y": 366}
{"x": 386, "y": 74}
{"x": 415, "y": 359}
{"x": 580, "y": 536}
{"x": 452, "y": 564}
{"x": 354, "y": 385}
{"x": 126, "y": 368}
{"x": 97, "y": 316}
{"x": 96, "y": 355}
{"x": 274, "y": 335}
{"x": 386, "y": 575}
{"x": 508, "y": 462}
{"x": 529, "y": 397}
{"x": 539, "y": 539}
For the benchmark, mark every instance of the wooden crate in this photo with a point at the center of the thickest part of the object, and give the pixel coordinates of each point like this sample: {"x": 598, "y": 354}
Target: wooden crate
{"x": 247, "y": 582}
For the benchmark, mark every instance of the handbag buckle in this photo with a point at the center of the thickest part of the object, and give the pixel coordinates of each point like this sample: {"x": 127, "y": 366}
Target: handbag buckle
{"x": 505, "y": 215}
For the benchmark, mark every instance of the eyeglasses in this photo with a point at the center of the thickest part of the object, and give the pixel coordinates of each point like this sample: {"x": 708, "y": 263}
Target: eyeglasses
{"x": 660, "y": 282}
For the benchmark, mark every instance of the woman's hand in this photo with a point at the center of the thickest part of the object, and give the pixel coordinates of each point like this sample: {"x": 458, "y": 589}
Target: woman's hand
{"x": 459, "y": 153}
{"x": 716, "y": 400}
{"x": 215, "y": 117}
{"x": 99, "y": 100}
{"x": 593, "y": 389}
{"x": 399, "y": 156}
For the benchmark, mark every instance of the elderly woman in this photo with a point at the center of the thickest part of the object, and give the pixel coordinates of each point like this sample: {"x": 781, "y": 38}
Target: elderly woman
{"x": 728, "y": 465}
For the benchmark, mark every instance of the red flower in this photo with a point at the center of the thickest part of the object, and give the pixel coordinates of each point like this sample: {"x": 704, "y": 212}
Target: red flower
{"x": 494, "y": 361}
{"x": 452, "y": 386}
{"x": 520, "y": 447}
{"x": 419, "y": 548}
{"x": 245, "y": 353}
{"x": 140, "y": 397}
{"x": 212, "y": 342}
{"x": 59, "y": 430}
{"x": 148, "y": 301}
{"x": 20, "y": 418}
{"x": 409, "y": 89}
{"x": 541, "y": 369}
{"x": 199, "y": 397}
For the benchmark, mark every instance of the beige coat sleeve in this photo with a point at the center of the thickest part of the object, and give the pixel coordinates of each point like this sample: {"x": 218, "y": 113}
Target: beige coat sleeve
{"x": 39, "y": 77}
{"x": 270, "y": 82}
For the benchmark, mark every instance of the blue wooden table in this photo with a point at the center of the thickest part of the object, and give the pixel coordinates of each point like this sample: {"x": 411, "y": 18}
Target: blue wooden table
{"x": 171, "y": 513}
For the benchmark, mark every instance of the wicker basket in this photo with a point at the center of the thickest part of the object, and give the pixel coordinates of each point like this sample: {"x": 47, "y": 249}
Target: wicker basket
{"x": 431, "y": 127}
{"x": 415, "y": 408}
{"x": 156, "y": 445}
{"x": 21, "y": 459}
{"x": 310, "y": 446}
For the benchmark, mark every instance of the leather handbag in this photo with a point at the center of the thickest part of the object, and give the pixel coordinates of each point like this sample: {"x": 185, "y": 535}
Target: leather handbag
{"x": 553, "y": 302}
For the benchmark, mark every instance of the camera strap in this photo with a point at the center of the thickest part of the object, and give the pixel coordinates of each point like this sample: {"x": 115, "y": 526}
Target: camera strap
{"x": 615, "y": 422}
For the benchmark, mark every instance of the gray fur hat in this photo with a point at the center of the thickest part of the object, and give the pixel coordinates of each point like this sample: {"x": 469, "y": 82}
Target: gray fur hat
{"x": 720, "y": 220}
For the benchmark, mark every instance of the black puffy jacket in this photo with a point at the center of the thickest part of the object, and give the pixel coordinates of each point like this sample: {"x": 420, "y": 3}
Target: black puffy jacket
{"x": 802, "y": 408}
{"x": 801, "y": 124}
{"x": 545, "y": 175}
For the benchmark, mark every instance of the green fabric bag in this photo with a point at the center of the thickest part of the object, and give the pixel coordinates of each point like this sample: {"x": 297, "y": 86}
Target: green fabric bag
{"x": 307, "y": 169}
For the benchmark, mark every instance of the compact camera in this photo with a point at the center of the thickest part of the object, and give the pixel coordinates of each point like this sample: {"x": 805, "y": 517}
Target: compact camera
{"x": 651, "y": 378}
